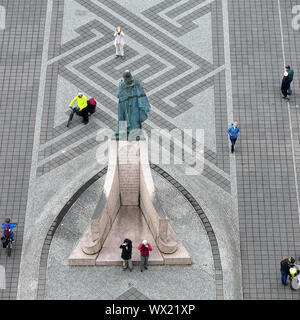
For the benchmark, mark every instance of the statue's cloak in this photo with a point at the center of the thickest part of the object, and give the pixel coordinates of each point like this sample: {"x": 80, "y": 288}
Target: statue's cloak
{"x": 133, "y": 104}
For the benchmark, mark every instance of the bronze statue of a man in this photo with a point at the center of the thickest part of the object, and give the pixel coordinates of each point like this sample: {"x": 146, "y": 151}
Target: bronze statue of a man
{"x": 133, "y": 103}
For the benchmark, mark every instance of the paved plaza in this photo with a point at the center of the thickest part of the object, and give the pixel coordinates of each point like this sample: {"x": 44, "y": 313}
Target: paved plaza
{"x": 203, "y": 64}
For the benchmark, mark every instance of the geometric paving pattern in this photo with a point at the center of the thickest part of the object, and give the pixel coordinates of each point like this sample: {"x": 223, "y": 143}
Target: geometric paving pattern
{"x": 132, "y": 294}
{"x": 172, "y": 74}
{"x": 160, "y": 51}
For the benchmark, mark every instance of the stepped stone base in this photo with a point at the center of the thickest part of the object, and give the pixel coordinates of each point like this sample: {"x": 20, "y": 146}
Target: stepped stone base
{"x": 129, "y": 223}
{"x": 79, "y": 258}
{"x": 180, "y": 256}
{"x": 109, "y": 257}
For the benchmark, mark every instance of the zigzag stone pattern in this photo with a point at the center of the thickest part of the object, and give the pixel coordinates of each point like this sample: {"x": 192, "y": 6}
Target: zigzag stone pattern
{"x": 186, "y": 22}
{"x": 171, "y": 74}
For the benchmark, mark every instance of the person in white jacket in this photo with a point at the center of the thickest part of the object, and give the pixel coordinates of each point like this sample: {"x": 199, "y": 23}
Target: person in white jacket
{"x": 119, "y": 42}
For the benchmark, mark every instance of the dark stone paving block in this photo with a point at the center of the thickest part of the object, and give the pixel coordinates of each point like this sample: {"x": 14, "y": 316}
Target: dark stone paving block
{"x": 267, "y": 204}
{"x": 21, "y": 51}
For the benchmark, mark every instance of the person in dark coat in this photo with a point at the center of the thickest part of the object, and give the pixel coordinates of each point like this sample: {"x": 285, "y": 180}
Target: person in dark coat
{"x": 285, "y": 270}
{"x": 290, "y": 78}
{"x": 285, "y": 84}
{"x": 126, "y": 247}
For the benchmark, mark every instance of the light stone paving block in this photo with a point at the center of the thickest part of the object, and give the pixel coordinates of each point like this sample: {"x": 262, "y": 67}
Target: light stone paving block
{"x": 201, "y": 116}
{"x": 199, "y": 40}
{"x": 75, "y": 16}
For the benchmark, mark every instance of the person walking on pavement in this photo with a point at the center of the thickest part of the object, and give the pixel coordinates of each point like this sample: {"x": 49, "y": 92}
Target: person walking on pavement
{"x": 119, "y": 42}
{"x": 294, "y": 275}
{"x": 284, "y": 269}
{"x": 7, "y": 233}
{"x": 82, "y": 109}
{"x": 126, "y": 247}
{"x": 290, "y": 78}
{"x": 293, "y": 271}
{"x": 295, "y": 283}
{"x": 285, "y": 84}
{"x": 233, "y": 132}
{"x": 144, "y": 247}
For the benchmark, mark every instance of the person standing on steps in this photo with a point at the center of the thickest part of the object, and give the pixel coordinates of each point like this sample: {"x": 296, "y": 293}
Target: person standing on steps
{"x": 233, "y": 132}
{"x": 119, "y": 42}
{"x": 144, "y": 247}
{"x": 126, "y": 247}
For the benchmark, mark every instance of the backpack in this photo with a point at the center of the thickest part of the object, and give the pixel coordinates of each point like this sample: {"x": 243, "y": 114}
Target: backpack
{"x": 92, "y": 105}
{"x": 7, "y": 232}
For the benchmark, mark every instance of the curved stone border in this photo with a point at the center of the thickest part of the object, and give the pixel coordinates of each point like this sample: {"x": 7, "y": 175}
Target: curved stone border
{"x": 208, "y": 228}
{"x": 46, "y": 246}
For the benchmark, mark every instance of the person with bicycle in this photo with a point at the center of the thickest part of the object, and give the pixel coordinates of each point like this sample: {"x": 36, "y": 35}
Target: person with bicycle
{"x": 8, "y": 233}
{"x": 81, "y": 108}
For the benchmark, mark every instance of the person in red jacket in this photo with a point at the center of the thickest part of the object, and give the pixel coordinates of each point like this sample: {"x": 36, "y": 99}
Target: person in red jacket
{"x": 144, "y": 247}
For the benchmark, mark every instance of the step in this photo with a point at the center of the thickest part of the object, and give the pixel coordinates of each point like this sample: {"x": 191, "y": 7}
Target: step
{"x": 112, "y": 257}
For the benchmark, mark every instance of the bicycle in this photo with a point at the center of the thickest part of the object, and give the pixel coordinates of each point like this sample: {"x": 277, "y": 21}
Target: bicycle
{"x": 7, "y": 244}
{"x": 91, "y": 108}
{"x": 74, "y": 110}
{"x": 9, "y": 247}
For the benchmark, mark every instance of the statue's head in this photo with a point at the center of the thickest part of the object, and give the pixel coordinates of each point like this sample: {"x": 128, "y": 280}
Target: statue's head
{"x": 127, "y": 77}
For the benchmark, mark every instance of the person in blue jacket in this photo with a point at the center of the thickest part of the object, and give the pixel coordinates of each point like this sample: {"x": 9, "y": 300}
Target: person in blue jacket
{"x": 11, "y": 226}
{"x": 233, "y": 132}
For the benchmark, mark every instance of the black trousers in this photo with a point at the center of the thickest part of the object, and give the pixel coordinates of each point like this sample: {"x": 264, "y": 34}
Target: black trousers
{"x": 84, "y": 113}
{"x": 285, "y": 84}
{"x": 284, "y": 91}
{"x": 233, "y": 141}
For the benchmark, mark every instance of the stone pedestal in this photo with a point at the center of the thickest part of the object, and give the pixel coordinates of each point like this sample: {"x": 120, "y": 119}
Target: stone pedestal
{"x": 129, "y": 172}
{"x": 128, "y": 208}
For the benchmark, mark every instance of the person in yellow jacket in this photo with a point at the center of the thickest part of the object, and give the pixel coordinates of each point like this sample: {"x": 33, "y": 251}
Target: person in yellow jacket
{"x": 293, "y": 272}
{"x": 82, "y": 109}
